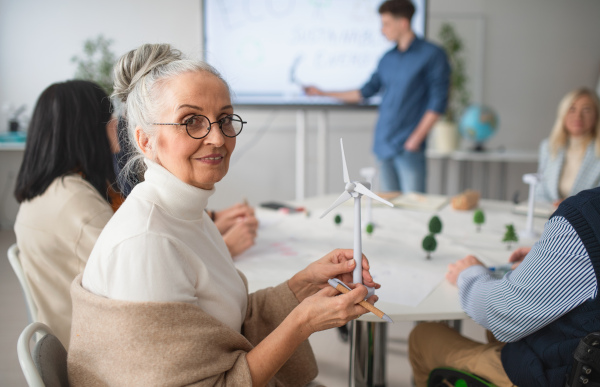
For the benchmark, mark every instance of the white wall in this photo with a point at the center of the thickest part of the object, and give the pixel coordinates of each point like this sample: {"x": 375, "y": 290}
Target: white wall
{"x": 534, "y": 52}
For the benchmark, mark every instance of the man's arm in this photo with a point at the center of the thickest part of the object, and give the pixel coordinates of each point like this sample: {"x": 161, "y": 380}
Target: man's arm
{"x": 350, "y": 96}
{"x": 555, "y": 277}
{"x": 438, "y": 83}
{"x": 414, "y": 141}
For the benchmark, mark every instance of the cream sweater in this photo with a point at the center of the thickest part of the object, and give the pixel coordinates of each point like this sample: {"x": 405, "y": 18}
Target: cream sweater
{"x": 161, "y": 246}
{"x": 56, "y": 232}
{"x": 122, "y": 343}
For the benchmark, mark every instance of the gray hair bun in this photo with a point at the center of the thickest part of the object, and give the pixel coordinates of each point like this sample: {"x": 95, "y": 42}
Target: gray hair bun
{"x": 137, "y": 63}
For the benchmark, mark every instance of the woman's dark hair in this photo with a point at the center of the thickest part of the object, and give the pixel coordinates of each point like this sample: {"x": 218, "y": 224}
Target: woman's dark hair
{"x": 67, "y": 134}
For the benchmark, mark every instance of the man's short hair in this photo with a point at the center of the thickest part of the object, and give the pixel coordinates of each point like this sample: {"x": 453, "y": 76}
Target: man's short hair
{"x": 398, "y": 8}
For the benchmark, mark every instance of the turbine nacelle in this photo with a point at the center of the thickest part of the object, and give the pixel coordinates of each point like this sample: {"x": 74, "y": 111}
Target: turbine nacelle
{"x": 353, "y": 189}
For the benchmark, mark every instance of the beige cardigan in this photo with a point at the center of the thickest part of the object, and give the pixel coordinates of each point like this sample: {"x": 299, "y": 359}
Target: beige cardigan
{"x": 122, "y": 343}
{"x": 56, "y": 232}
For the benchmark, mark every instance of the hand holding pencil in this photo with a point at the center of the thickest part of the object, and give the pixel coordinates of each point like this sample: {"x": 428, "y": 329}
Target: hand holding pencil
{"x": 343, "y": 288}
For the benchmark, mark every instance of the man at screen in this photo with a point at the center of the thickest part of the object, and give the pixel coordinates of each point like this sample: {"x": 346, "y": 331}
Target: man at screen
{"x": 413, "y": 78}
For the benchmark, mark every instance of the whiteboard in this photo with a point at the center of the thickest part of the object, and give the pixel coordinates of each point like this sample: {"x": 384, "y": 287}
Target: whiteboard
{"x": 268, "y": 49}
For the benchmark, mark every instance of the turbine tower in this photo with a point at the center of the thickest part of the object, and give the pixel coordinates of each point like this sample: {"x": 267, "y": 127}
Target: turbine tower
{"x": 356, "y": 190}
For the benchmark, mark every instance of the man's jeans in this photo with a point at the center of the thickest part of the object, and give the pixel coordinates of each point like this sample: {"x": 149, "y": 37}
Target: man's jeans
{"x": 404, "y": 172}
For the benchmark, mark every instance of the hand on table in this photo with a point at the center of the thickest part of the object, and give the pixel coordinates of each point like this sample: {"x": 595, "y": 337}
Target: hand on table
{"x": 241, "y": 235}
{"x": 337, "y": 264}
{"x": 518, "y": 255}
{"x": 226, "y": 218}
{"x": 454, "y": 269}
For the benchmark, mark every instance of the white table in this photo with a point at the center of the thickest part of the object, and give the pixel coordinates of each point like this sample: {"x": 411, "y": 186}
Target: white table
{"x": 288, "y": 243}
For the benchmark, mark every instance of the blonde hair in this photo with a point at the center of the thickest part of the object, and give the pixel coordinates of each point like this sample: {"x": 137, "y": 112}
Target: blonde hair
{"x": 139, "y": 76}
{"x": 559, "y": 135}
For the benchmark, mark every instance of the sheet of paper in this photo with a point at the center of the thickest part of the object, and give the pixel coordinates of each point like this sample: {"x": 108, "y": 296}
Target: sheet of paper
{"x": 405, "y": 286}
{"x": 418, "y": 201}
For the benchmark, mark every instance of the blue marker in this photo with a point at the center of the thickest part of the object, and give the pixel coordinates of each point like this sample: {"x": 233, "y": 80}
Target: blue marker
{"x": 499, "y": 271}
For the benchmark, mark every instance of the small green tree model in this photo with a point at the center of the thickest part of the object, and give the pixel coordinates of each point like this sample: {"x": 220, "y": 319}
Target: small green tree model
{"x": 510, "y": 235}
{"x": 97, "y": 62}
{"x": 435, "y": 225}
{"x": 478, "y": 219}
{"x": 338, "y": 219}
{"x": 429, "y": 244}
{"x": 369, "y": 229}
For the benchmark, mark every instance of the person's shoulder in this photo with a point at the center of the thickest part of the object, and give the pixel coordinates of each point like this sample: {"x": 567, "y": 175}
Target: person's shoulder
{"x": 71, "y": 191}
{"x": 580, "y": 201}
{"x": 389, "y": 52}
{"x": 430, "y": 46}
{"x": 73, "y": 183}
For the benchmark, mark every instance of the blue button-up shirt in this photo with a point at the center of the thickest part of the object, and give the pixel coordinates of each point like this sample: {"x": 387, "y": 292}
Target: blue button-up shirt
{"x": 411, "y": 82}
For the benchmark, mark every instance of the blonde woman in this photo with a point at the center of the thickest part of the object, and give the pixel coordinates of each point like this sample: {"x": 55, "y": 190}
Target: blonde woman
{"x": 569, "y": 160}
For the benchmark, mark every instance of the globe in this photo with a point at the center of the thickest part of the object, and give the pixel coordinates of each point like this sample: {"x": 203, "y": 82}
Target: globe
{"x": 478, "y": 124}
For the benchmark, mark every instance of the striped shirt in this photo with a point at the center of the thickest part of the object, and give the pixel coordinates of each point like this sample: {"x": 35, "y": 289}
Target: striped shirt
{"x": 555, "y": 277}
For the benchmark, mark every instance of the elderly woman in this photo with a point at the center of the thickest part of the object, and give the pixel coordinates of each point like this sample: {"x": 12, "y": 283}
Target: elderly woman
{"x": 569, "y": 161}
{"x": 160, "y": 301}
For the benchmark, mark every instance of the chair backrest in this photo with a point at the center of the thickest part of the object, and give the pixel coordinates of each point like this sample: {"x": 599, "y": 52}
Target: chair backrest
{"x": 15, "y": 262}
{"x": 47, "y": 366}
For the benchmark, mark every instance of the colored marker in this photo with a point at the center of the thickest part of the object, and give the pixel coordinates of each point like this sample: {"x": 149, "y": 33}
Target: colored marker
{"x": 500, "y": 270}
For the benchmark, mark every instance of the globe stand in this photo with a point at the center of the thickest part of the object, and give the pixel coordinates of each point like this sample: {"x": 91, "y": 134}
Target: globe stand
{"x": 478, "y": 147}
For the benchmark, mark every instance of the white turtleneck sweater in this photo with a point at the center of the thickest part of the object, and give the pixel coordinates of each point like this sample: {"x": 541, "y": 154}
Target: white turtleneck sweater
{"x": 161, "y": 246}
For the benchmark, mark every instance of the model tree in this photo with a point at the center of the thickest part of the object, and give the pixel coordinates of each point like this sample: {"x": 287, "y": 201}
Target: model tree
{"x": 369, "y": 229}
{"x": 429, "y": 244}
{"x": 478, "y": 219}
{"x": 338, "y": 219}
{"x": 435, "y": 225}
{"x": 510, "y": 235}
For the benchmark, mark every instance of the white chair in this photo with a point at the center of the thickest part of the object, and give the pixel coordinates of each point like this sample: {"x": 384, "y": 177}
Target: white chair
{"x": 47, "y": 365}
{"x": 15, "y": 262}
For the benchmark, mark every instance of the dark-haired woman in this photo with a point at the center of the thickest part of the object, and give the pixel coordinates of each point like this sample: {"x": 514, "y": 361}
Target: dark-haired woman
{"x": 65, "y": 193}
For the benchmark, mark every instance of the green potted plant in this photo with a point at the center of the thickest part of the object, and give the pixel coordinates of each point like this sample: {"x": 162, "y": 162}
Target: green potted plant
{"x": 96, "y": 63}
{"x": 446, "y": 129}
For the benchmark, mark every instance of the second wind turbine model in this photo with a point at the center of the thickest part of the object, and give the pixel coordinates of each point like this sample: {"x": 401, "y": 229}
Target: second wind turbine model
{"x": 355, "y": 189}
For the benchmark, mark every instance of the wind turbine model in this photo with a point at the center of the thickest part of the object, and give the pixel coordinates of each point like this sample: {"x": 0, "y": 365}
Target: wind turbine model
{"x": 369, "y": 174}
{"x": 532, "y": 179}
{"x": 355, "y": 189}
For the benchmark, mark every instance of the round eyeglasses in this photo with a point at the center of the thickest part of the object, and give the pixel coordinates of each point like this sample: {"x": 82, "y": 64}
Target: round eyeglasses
{"x": 199, "y": 126}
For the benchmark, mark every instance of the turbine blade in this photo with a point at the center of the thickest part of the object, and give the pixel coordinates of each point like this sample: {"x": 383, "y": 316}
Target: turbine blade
{"x": 346, "y": 175}
{"x": 365, "y": 191}
{"x": 342, "y": 198}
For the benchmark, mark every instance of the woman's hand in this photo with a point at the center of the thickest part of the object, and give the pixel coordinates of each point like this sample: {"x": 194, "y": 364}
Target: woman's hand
{"x": 240, "y": 237}
{"x": 328, "y": 308}
{"x": 337, "y": 264}
{"x": 227, "y": 218}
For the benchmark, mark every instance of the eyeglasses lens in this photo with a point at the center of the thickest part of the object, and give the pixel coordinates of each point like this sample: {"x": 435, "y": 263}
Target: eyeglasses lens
{"x": 231, "y": 125}
{"x": 199, "y": 126}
